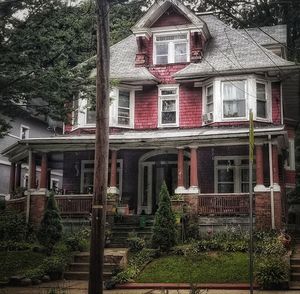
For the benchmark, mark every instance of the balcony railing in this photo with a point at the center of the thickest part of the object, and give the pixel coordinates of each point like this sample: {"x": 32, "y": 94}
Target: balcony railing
{"x": 224, "y": 204}
{"x": 74, "y": 205}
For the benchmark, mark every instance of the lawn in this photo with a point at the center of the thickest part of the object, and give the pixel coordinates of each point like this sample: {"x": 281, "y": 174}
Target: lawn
{"x": 211, "y": 267}
{"x": 17, "y": 262}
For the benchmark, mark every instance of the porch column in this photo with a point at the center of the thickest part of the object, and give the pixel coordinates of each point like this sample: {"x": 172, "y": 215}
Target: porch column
{"x": 180, "y": 171}
{"x": 113, "y": 173}
{"x": 194, "y": 188}
{"x": 44, "y": 175}
{"x": 32, "y": 173}
{"x": 18, "y": 175}
{"x": 259, "y": 168}
{"x": 275, "y": 165}
{"x": 12, "y": 178}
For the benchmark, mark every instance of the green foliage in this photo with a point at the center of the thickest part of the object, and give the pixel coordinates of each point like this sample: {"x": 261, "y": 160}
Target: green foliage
{"x": 11, "y": 245}
{"x": 13, "y": 226}
{"x": 78, "y": 241}
{"x": 136, "y": 263}
{"x": 135, "y": 243}
{"x": 271, "y": 272}
{"x": 50, "y": 231}
{"x": 54, "y": 266}
{"x": 164, "y": 229}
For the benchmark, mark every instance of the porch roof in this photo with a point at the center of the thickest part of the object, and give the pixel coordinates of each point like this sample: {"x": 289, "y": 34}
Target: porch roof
{"x": 163, "y": 138}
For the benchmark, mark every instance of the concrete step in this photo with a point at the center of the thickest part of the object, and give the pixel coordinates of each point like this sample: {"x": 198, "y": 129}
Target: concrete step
{"x": 294, "y": 286}
{"x": 295, "y": 277}
{"x": 84, "y": 267}
{"x": 84, "y": 257}
{"x": 295, "y": 261}
{"x": 84, "y": 276}
{"x": 295, "y": 268}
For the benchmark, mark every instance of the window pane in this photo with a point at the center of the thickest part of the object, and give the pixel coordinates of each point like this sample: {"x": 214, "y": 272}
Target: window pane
{"x": 234, "y": 90}
{"x": 124, "y": 98}
{"x": 245, "y": 175}
{"x": 75, "y": 117}
{"x": 210, "y": 108}
{"x": 261, "y": 91}
{"x": 161, "y": 59}
{"x": 172, "y": 37}
{"x": 234, "y": 108}
{"x": 124, "y": 112}
{"x": 168, "y": 105}
{"x": 123, "y": 121}
{"x": 169, "y": 92}
{"x": 261, "y": 109}
{"x": 225, "y": 175}
{"x": 162, "y": 49}
{"x": 91, "y": 116}
{"x": 225, "y": 188}
{"x": 245, "y": 188}
{"x": 168, "y": 117}
{"x": 226, "y": 162}
{"x": 180, "y": 52}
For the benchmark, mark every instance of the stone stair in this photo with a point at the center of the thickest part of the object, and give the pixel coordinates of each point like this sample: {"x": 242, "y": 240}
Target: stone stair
{"x": 122, "y": 228}
{"x": 295, "y": 266}
{"x": 113, "y": 259}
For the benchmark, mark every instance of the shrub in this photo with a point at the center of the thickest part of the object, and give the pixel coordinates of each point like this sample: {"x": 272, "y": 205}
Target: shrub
{"x": 54, "y": 266}
{"x": 13, "y": 226}
{"x": 50, "y": 231}
{"x": 135, "y": 243}
{"x": 271, "y": 272}
{"x": 164, "y": 229}
{"x": 78, "y": 241}
{"x": 14, "y": 245}
{"x": 36, "y": 273}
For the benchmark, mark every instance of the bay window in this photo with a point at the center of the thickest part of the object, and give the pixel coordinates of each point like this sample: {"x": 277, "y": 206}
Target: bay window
{"x": 171, "y": 48}
{"x": 168, "y": 106}
{"x": 209, "y": 99}
{"x": 124, "y": 108}
{"x": 90, "y": 114}
{"x": 234, "y": 98}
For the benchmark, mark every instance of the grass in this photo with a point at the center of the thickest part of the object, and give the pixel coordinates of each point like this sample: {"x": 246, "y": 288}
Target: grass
{"x": 17, "y": 262}
{"x": 204, "y": 268}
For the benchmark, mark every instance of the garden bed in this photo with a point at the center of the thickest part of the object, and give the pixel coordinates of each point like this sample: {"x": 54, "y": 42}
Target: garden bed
{"x": 203, "y": 268}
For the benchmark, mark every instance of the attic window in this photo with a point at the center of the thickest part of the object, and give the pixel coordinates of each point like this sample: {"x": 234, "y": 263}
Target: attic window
{"x": 171, "y": 48}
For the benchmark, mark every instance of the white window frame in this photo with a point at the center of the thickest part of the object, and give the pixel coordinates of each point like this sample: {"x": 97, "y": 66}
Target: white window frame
{"x": 119, "y": 169}
{"x": 171, "y": 46}
{"x": 291, "y": 163}
{"x": 237, "y": 174}
{"x": 161, "y": 98}
{"x": 52, "y": 180}
{"x": 114, "y": 107}
{"x": 250, "y": 95}
{"x": 27, "y": 133}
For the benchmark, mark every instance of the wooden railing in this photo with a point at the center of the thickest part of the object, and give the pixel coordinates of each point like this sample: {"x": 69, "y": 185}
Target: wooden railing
{"x": 18, "y": 204}
{"x": 74, "y": 205}
{"x": 223, "y": 204}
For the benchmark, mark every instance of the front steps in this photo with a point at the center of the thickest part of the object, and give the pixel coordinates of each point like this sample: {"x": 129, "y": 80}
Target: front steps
{"x": 122, "y": 228}
{"x": 295, "y": 268}
{"x": 113, "y": 259}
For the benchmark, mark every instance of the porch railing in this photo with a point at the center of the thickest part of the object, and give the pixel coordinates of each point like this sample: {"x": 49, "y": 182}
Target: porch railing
{"x": 74, "y": 205}
{"x": 18, "y": 204}
{"x": 224, "y": 204}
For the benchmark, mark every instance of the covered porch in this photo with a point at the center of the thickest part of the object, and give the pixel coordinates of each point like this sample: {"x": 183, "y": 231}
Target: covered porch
{"x": 207, "y": 173}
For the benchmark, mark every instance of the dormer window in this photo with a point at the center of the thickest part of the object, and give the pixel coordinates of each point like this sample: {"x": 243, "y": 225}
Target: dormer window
{"x": 171, "y": 48}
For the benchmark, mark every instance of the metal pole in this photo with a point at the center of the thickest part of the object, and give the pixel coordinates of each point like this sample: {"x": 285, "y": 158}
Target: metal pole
{"x": 271, "y": 182}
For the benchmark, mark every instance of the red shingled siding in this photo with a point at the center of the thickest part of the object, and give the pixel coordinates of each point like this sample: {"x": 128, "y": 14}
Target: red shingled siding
{"x": 276, "y": 107}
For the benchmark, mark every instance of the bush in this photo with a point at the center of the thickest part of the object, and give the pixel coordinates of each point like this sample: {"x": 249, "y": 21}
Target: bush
{"x": 50, "y": 231}
{"x": 135, "y": 243}
{"x": 13, "y": 226}
{"x": 78, "y": 241}
{"x": 54, "y": 266}
{"x": 164, "y": 229}
{"x": 14, "y": 245}
{"x": 271, "y": 272}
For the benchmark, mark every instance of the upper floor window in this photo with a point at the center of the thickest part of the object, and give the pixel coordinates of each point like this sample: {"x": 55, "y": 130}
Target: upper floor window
{"x": 75, "y": 111}
{"x": 90, "y": 114}
{"x": 24, "y": 132}
{"x": 171, "y": 48}
{"x": 168, "y": 106}
{"x": 261, "y": 100}
{"x": 234, "y": 98}
{"x": 124, "y": 108}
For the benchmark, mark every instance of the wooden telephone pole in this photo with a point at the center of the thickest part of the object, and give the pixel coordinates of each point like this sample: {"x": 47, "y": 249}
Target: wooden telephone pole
{"x": 101, "y": 150}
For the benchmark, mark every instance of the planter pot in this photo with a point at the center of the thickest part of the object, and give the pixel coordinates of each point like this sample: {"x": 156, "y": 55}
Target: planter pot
{"x": 123, "y": 210}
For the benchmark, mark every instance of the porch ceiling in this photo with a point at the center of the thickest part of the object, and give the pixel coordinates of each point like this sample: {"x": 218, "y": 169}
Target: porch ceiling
{"x": 166, "y": 138}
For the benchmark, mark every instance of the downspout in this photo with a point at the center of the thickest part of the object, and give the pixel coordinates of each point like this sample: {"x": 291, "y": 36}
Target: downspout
{"x": 271, "y": 182}
{"x": 281, "y": 104}
{"x": 28, "y": 188}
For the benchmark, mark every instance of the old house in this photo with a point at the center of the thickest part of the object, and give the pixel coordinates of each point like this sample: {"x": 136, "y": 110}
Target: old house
{"x": 180, "y": 114}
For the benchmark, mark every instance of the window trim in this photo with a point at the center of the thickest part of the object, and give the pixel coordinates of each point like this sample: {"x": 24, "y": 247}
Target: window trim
{"x": 28, "y": 132}
{"x": 171, "y": 57}
{"x": 237, "y": 180}
{"x": 160, "y": 99}
{"x": 88, "y": 161}
{"x": 291, "y": 163}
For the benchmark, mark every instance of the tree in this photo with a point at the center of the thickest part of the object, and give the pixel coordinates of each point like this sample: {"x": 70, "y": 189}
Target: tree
{"x": 164, "y": 229}
{"x": 50, "y": 231}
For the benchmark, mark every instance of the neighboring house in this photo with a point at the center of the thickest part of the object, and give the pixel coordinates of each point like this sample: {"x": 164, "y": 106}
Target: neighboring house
{"x": 180, "y": 114}
{"x": 24, "y": 126}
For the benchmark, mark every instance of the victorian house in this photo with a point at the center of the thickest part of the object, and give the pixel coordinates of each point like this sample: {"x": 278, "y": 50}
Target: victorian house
{"x": 180, "y": 113}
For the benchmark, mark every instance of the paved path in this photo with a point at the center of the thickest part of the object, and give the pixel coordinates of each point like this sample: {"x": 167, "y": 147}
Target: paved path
{"x": 80, "y": 287}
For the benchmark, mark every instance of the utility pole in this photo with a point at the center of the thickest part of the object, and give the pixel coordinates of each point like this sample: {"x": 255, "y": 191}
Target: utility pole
{"x": 101, "y": 150}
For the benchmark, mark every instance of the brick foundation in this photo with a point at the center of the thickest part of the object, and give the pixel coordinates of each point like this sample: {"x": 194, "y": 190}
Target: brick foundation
{"x": 263, "y": 210}
{"x": 37, "y": 208}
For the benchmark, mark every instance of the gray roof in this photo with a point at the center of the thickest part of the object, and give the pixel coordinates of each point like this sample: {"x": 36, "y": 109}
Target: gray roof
{"x": 122, "y": 62}
{"x": 230, "y": 50}
{"x": 278, "y": 34}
